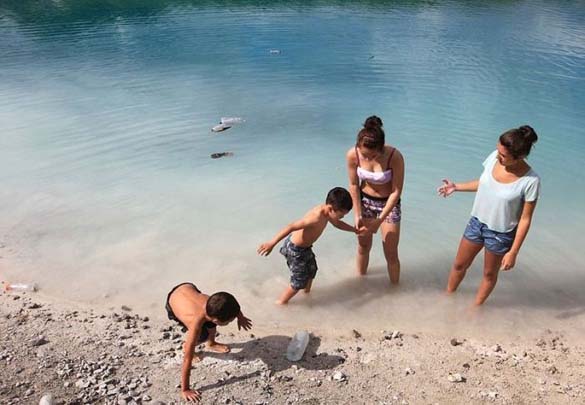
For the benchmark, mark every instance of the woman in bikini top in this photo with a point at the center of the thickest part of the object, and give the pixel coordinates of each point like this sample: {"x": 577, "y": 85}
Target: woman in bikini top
{"x": 376, "y": 176}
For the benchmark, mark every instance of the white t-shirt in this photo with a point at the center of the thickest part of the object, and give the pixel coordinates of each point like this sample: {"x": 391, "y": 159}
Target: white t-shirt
{"x": 499, "y": 205}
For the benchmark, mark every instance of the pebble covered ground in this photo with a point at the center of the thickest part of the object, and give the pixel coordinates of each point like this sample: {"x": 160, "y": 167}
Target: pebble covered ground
{"x": 53, "y": 354}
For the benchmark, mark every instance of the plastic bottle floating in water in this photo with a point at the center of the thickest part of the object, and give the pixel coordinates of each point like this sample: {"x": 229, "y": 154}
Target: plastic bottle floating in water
{"x": 297, "y": 346}
{"x": 19, "y": 287}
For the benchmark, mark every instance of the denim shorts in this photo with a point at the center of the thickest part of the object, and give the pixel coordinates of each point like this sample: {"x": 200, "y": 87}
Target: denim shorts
{"x": 498, "y": 243}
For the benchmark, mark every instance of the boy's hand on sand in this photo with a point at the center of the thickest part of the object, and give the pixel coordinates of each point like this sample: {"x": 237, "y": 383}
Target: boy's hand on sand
{"x": 447, "y": 188}
{"x": 244, "y": 323}
{"x": 191, "y": 395}
{"x": 265, "y": 249}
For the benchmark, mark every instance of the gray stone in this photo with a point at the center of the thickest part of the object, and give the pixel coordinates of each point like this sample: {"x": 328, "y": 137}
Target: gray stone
{"x": 39, "y": 341}
{"x": 47, "y": 399}
{"x": 339, "y": 376}
{"x": 456, "y": 378}
{"x": 456, "y": 342}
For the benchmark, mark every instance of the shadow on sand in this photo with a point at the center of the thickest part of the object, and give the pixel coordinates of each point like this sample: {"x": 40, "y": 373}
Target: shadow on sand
{"x": 271, "y": 351}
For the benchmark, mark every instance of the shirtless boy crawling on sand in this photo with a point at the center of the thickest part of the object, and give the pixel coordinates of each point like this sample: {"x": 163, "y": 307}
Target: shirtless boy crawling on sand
{"x": 301, "y": 236}
{"x": 199, "y": 314}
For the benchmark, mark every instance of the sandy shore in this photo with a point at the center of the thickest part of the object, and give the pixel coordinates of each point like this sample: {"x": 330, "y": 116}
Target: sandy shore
{"x": 80, "y": 355}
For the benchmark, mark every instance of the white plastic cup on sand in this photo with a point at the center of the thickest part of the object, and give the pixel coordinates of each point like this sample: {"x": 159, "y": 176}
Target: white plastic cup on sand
{"x": 297, "y": 346}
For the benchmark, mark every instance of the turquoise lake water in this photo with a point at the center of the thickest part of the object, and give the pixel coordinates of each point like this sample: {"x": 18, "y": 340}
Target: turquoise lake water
{"x": 109, "y": 194}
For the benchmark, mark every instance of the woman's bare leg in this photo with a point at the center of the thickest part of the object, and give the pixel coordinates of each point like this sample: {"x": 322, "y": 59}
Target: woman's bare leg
{"x": 465, "y": 255}
{"x": 363, "y": 254}
{"x": 390, "y": 238}
{"x": 491, "y": 269}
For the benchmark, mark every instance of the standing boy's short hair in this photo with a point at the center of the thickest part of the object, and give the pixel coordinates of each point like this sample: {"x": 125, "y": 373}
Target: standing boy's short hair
{"x": 340, "y": 199}
{"x": 222, "y": 306}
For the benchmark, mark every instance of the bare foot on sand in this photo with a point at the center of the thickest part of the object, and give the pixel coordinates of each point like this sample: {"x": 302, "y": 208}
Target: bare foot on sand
{"x": 280, "y": 302}
{"x": 217, "y": 347}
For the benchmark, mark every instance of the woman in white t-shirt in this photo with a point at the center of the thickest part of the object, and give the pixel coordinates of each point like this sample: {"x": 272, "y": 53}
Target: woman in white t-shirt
{"x": 506, "y": 197}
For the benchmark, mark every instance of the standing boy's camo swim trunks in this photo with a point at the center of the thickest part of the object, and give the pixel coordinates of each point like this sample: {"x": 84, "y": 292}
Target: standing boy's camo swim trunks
{"x": 301, "y": 262}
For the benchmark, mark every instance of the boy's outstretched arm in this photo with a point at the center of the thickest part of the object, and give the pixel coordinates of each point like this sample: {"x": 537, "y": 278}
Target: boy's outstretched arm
{"x": 344, "y": 226}
{"x": 192, "y": 336}
{"x": 265, "y": 248}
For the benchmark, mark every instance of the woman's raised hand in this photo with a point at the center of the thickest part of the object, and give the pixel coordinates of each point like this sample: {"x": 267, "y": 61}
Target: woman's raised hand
{"x": 447, "y": 188}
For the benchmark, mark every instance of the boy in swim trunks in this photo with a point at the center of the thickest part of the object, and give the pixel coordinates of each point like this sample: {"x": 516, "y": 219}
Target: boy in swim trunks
{"x": 300, "y": 236}
{"x": 199, "y": 314}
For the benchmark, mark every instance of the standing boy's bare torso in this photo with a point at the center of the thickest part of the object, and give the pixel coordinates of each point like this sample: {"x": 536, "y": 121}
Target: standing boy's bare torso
{"x": 317, "y": 219}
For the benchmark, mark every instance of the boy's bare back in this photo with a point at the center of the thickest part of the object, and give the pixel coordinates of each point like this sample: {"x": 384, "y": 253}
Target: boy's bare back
{"x": 188, "y": 305}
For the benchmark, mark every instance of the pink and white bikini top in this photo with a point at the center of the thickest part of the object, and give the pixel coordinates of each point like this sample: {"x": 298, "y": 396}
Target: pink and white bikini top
{"x": 375, "y": 177}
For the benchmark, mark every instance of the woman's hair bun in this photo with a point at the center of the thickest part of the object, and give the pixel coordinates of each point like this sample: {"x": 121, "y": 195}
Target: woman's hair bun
{"x": 373, "y": 122}
{"x": 528, "y": 133}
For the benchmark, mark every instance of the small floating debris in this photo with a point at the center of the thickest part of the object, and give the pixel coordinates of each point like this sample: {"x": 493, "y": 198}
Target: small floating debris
{"x": 231, "y": 120}
{"x": 227, "y": 123}
{"x": 274, "y": 51}
{"x": 220, "y": 128}
{"x": 221, "y": 154}
{"x": 371, "y": 57}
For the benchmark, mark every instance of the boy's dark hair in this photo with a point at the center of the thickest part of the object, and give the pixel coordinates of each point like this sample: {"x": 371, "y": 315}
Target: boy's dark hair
{"x": 222, "y": 306}
{"x": 340, "y": 199}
